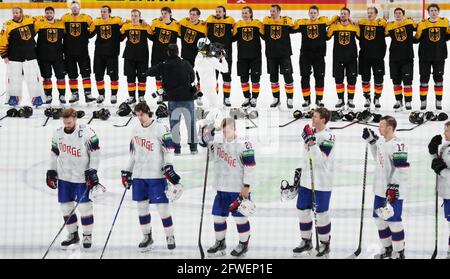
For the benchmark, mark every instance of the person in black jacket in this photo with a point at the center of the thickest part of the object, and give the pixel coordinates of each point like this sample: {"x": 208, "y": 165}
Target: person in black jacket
{"x": 177, "y": 82}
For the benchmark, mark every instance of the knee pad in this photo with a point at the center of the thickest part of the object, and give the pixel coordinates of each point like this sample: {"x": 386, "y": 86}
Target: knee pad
{"x": 339, "y": 80}
{"x": 244, "y": 79}
{"x": 380, "y": 223}
{"x": 320, "y": 81}
{"x": 131, "y": 79}
{"x": 288, "y": 78}
{"x": 163, "y": 210}
{"x": 305, "y": 81}
{"x": 66, "y": 208}
{"x": 219, "y": 219}
{"x": 86, "y": 208}
{"x": 304, "y": 215}
{"x": 255, "y": 78}
{"x": 425, "y": 78}
{"x": 351, "y": 80}
{"x": 323, "y": 218}
{"x": 438, "y": 77}
{"x": 142, "y": 79}
{"x": 241, "y": 220}
{"x": 378, "y": 79}
{"x": 99, "y": 78}
{"x": 226, "y": 77}
{"x": 274, "y": 78}
{"x": 143, "y": 208}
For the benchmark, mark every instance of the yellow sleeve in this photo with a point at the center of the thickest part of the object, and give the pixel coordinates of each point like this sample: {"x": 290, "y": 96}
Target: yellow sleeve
{"x": 357, "y": 31}
{"x": 4, "y": 41}
{"x": 37, "y": 26}
{"x": 419, "y": 30}
{"x": 330, "y": 30}
{"x": 261, "y": 27}
{"x": 386, "y": 30}
{"x": 235, "y": 27}
{"x": 92, "y": 27}
{"x": 122, "y": 29}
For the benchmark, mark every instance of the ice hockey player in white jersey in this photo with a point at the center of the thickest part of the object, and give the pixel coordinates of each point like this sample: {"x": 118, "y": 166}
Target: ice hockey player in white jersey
{"x": 439, "y": 149}
{"x": 319, "y": 144}
{"x": 150, "y": 164}
{"x": 389, "y": 186}
{"x": 207, "y": 63}
{"x": 234, "y": 164}
{"x": 73, "y": 168}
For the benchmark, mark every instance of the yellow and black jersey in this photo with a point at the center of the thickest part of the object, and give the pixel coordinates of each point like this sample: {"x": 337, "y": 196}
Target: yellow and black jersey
{"x": 402, "y": 39}
{"x": 344, "y": 48}
{"x": 108, "y": 35}
{"x": 190, "y": 34}
{"x": 372, "y": 41}
{"x": 49, "y": 39}
{"x": 136, "y": 47}
{"x": 220, "y": 31}
{"x": 314, "y": 34}
{"x": 277, "y": 36}
{"x": 162, "y": 35}
{"x": 17, "y": 40}
{"x": 432, "y": 37}
{"x": 76, "y": 36}
{"x": 248, "y": 37}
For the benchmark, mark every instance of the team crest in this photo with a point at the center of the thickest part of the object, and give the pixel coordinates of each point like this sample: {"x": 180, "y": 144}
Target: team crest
{"x": 370, "y": 32}
{"x": 312, "y": 31}
{"x": 275, "y": 32}
{"x": 52, "y": 35}
{"x": 164, "y": 36}
{"x": 134, "y": 36}
{"x": 105, "y": 32}
{"x": 25, "y": 33}
{"x": 190, "y": 35}
{"x": 344, "y": 38}
{"x": 75, "y": 29}
{"x": 434, "y": 34}
{"x": 400, "y": 34}
{"x": 219, "y": 30}
{"x": 247, "y": 34}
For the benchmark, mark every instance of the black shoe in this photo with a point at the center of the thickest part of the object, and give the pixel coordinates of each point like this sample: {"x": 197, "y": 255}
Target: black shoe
{"x": 73, "y": 238}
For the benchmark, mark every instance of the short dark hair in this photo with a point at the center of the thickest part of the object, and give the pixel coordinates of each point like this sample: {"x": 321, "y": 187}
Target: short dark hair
{"x": 172, "y": 50}
{"x": 278, "y": 7}
{"x": 136, "y": 11}
{"x": 447, "y": 124}
{"x": 313, "y": 7}
{"x": 249, "y": 9}
{"x": 324, "y": 114}
{"x": 196, "y": 10}
{"x": 399, "y": 9}
{"x": 224, "y": 10}
{"x": 433, "y": 5}
{"x": 144, "y": 108}
{"x": 49, "y": 8}
{"x": 373, "y": 8}
{"x": 166, "y": 9}
{"x": 107, "y": 7}
{"x": 346, "y": 9}
{"x": 390, "y": 121}
{"x": 69, "y": 112}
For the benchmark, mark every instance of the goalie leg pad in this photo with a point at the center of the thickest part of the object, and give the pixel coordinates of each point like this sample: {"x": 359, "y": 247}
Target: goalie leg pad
{"x": 32, "y": 76}
{"x": 14, "y": 77}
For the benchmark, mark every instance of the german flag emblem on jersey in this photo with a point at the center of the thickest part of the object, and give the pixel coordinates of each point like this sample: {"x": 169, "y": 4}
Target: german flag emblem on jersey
{"x": 25, "y": 33}
{"x": 52, "y": 35}
{"x": 105, "y": 32}
{"x": 134, "y": 36}
{"x": 344, "y": 38}
{"x": 434, "y": 34}
{"x": 247, "y": 34}
{"x": 75, "y": 29}
{"x": 312, "y": 31}
{"x": 275, "y": 32}
{"x": 164, "y": 36}
{"x": 370, "y": 32}
{"x": 219, "y": 30}
{"x": 400, "y": 34}
{"x": 190, "y": 35}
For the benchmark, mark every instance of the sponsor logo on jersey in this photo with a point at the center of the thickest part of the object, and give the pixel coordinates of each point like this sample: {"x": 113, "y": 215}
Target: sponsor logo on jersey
{"x": 219, "y": 30}
{"x": 275, "y": 32}
{"x": 164, "y": 36}
{"x": 434, "y": 34}
{"x": 189, "y": 36}
{"x": 400, "y": 34}
{"x": 247, "y": 33}
{"x": 25, "y": 33}
{"x": 344, "y": 38}
{"x": 52, "y": 35}
{"x": 105, "y": 32}
{"x": 75, "y": 29}
{"x": 370, "y": 32}
{"x": 312, "y": 31}
{"x": 134, "y": 36}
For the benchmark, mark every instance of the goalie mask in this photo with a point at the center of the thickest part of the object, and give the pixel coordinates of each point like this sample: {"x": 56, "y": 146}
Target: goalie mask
{"x": 203, "y": 45}
{"x": 173, "y": 191}
{"x": 124, "y": 109}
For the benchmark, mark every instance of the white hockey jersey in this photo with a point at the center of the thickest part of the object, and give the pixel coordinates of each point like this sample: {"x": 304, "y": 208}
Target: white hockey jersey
{"x": 73, "y": 154}
{"x": 322, "y": 154}
{"x": 151, "y": 148}
{"x": 444, "y": 177}
{"x": 234, "y": 164}
{"x": 392, "y": 166}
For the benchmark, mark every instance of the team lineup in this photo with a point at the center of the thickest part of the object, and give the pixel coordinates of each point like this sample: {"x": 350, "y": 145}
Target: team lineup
{"x": 206, "y": 52}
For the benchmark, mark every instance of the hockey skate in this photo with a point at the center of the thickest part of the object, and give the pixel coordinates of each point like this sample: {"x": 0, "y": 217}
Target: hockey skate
{"x": 87, "y": 241}
{"x": 74, "y": 98}
{"x": 113, "y": 99}
{"x": 367, "y": 103}
{"x": 304, "y": 249}
{"x": 88, "y": 97}
{"x": 377, "y": 104}
{"x": 199, "y": 102}
{"x": 246, "y": 103}
{"x": 408, "y": 105}
{"x": 350, "y": 104}
{"x": 218, "y": 249}
{"x": 423, "y": 105}
{"x": 340, "y": 104}
{"x": 306, "y": 105}
{"x": 226, "y": 102}
{"x": 385, "y": 253}
{"x": 275, "y": 103}
{"x": 324, "y": 250}
{"x": 240, "y": 250}
{"x": 72, "y": 240}
{"x": 400, "y": 255}
{"x": 253, "y": 102}
{"x": 48, "y": 100}
{"x": 100, "y": 99}
{"x": 170, "y": 242}
{"x": 290, "y": 103}
{"x": 131, "y": 101}
{"x": 448, "y": 255}
{"x": 146, "y": 243}
{"x": 398, "y": 106}
{"x": 62, "y": 99}
{"x": 438, "y": 105}
{"x": 141, "y": 99}
{"x": 319, "y": 104}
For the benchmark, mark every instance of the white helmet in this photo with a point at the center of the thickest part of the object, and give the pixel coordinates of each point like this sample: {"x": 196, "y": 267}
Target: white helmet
{"x": 246, "y": 207}
{"x": 385, "y": 212}
{"x": 288, "y": 192}
{"x": 174, "y": 191}
{"x": 202, "y": 44}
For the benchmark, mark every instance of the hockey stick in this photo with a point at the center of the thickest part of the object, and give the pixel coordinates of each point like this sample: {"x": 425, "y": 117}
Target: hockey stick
{"x": 114, "y": 221}
{"x": 254, "y": 124}
{"x": 90, "y": 120}
{"x": 285, "y": 124}
{"x": 436, "y": 221}
{"x": 200, "y": 247}
{"x": 46, "y": 121}
{"x": 345, "y": 126}
{"x": 313, "y": 199}
{"x": 65, "y": 223}
{"x": 358, "y": 251}
{"x": 3, "y": 117}
{"x": 126, "y": 123}
{"x": 412, "y": 128}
